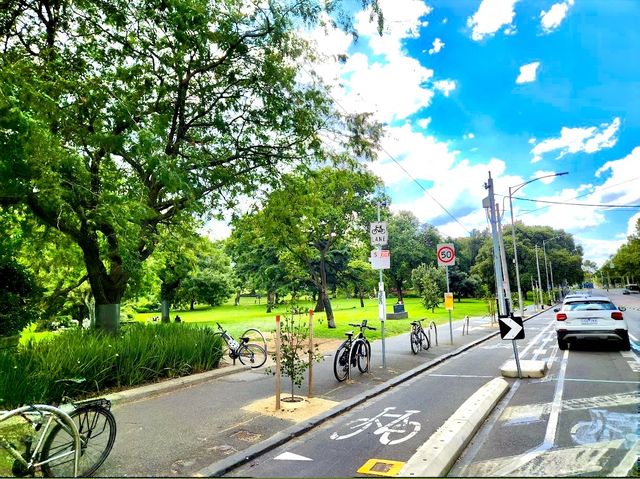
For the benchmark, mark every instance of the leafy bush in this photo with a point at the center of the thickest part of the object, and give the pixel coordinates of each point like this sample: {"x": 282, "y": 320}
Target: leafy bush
{"x": 80, "y": 363}
{"x": 18, "y": 294}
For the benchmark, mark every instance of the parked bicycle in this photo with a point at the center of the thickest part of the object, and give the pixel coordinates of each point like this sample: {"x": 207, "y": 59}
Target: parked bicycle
{"x": 70, "y": 441}
{"x": 352, "y": 353}
{"x": 249, "y": 353}
{"x": 419, "y": 338}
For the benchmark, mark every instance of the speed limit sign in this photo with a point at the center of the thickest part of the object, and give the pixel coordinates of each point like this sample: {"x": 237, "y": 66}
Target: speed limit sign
{"x": 446, "y": 254}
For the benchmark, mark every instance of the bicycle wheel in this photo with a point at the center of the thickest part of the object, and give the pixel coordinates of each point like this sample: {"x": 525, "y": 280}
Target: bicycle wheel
{"x": 97, "y": 428}
{"x": 364, "y": 357}
{"x": 426, "y": 344}
{"x": 255, "y": 337}
{"x": 415, "y": 342}
{"x": 252, "y": 355}
{"x": 341, "y": 362}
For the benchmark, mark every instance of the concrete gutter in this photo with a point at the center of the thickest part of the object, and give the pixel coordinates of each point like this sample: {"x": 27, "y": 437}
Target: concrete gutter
{"x": 220, "y": 468}
{"x": 436, "y": 456}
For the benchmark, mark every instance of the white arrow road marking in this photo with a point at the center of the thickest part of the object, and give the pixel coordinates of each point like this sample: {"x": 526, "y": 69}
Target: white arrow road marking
{"x": 289, "y": 456}
{"x": 515, "y": 328}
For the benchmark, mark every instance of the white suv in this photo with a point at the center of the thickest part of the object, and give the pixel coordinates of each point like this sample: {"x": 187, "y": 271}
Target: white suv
{"x": 592, "y": 317}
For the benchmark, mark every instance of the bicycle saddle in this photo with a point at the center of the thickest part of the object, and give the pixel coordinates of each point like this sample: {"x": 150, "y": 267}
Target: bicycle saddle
{"x": 348, "y": 333}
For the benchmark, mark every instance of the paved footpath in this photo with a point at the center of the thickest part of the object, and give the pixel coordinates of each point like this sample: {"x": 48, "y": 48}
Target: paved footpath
{"x": 206, "y": 424}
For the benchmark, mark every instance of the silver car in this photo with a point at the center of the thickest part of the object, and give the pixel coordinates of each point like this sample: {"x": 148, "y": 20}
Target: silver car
{"x": 592, "y": 317}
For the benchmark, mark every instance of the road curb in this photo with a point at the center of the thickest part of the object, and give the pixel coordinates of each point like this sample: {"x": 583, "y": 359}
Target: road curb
{"x": 436, "y": 456}
{"x": 220, "y": 468}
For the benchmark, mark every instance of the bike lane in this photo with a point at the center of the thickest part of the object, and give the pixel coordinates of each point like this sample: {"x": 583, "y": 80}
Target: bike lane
{"x": 580, "y": 419}
{"x": 390, "y": 427}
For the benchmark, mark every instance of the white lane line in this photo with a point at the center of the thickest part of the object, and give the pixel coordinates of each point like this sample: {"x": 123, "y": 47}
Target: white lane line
{"x": 460, "y": 376}
{"x": 627, "y": 462}
{"x": 552, "y": 426}
{"x": 601, "y": 381}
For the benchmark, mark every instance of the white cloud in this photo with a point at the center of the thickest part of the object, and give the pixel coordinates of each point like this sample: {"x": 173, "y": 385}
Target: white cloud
{"x": 424, "y": 122}
{"x": 541, "y": 173}
{"x": 357, "y": 83}
{"x": 552, "y": 18}
{"x": 437, "y": 46}
{"x": 532, "y": 141}
{"x": 528, "y": 73}
{"x": 490, "y": 17}
{"x": 631, "y": 225}
{"x": 469, "y": 136}
{"x": 445, "y": 86}
{"x": 574, "y": 140}
{"x": 599, "y": 250}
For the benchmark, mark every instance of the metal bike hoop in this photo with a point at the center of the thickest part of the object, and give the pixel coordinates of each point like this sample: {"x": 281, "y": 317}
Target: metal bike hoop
{"x": 465, "y": 324}
{"x": 432, "y": 324}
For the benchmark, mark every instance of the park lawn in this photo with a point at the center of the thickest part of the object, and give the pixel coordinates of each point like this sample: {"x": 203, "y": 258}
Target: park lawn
{"x": 236, "y": 319}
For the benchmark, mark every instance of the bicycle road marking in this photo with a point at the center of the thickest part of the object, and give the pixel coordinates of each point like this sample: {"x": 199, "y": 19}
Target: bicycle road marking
{"x": 399, "y": 425}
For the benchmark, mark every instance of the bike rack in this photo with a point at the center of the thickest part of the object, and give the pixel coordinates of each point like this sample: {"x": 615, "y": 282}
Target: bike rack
{"x": 465, "y": 324}
{"x": 435, "y": 329}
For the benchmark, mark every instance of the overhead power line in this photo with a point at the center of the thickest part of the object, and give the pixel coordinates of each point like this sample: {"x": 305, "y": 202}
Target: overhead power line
{"x": 399, "y": 165}
{"x": 575, "y": 204}
{"x": 579, "y": 196}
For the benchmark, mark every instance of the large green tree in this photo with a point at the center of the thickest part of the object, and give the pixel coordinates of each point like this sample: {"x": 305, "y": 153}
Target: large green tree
{"x": 118, "y": 117}
{"x": 410, "y": 244}
{"x": 314, "y": 217}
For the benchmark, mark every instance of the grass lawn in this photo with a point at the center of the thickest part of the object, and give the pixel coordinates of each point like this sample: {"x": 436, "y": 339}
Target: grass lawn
{"x": 236, "y": 319}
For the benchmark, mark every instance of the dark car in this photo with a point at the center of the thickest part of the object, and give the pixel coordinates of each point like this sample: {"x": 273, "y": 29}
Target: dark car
{"x": 631, "y": 289}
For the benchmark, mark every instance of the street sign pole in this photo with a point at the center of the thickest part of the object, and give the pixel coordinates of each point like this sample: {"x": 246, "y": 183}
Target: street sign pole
{"x": 446, "y": 255}
{"x": 381, "y": 306}
{"x": 446, "y": 269}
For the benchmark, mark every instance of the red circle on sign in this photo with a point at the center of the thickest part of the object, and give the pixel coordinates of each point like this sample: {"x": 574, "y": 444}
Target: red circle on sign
{"x": 446, "y": 254}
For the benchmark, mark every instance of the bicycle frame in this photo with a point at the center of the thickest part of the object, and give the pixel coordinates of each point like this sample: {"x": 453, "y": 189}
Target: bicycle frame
{"x": 52, "y": 414}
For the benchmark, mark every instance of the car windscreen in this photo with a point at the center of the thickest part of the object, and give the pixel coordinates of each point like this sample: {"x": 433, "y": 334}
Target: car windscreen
{"x": 588, "y": 306}
{"x": 633, "y": 287}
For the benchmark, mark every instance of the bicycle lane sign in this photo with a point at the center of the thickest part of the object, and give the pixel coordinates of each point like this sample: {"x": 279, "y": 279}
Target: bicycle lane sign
{"x": 399, "y": 426}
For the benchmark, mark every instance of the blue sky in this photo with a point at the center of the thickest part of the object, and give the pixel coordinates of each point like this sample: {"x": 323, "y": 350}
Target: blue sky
{"x": 518, "y": 88}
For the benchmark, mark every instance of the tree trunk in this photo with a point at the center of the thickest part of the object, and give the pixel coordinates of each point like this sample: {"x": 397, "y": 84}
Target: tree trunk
{"x": 319, "y": 305}
{"x": 270, "y": 296}
{"x": 192, "y": 305}
{"x": 165, "y": 309}
{"x": 237, "y": 300}
{"x": 361, "y": 296}
{"x": 107, "y": 287}
{"x": 331, "y": 323}
{"x": 399, "y": 289}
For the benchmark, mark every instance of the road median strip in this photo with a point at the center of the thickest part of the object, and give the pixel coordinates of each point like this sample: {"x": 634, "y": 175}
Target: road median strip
{"x": 436, "y": 456}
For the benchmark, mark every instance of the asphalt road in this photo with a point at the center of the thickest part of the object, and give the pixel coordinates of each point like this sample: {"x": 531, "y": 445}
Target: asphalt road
{"x": 581, "y": 418}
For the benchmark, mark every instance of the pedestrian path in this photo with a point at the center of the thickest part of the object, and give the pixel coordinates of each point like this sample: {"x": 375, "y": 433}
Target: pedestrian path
{"x": 201, "y": 425}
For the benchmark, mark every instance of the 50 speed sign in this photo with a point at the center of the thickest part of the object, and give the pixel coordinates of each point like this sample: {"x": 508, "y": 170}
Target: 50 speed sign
{"x": 446, "y": 254}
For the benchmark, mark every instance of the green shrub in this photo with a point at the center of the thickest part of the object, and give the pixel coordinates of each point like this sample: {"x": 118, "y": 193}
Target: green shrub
{"x": 79, "y": 363}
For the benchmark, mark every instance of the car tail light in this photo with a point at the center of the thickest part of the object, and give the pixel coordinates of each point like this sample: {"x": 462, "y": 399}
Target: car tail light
{"x": 616, "y": 315}
{"x": 561, "y": 316}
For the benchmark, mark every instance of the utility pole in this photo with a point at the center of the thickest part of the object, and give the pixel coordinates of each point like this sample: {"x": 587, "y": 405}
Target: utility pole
{"x": 497, "y": 262}
{"x": 535, "y": 294}
{"x": 498, "y": 257}
{"x": 539, "y": 280}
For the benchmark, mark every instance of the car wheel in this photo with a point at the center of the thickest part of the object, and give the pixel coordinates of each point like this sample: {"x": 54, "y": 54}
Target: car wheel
{"x": 626, "y": 344}
{"x": 562, "y": 344}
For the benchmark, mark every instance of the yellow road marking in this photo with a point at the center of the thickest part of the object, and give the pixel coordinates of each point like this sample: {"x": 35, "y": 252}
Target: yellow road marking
{"x": 381, "y": 467}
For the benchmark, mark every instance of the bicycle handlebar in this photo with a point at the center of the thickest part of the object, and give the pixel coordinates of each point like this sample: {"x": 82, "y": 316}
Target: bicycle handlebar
{"x": 362, "y": 326}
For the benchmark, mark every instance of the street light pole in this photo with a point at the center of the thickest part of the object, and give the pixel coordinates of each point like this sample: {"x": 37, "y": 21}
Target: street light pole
{"x": 539, "y": 280}
{"x": 513, "y": 232}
